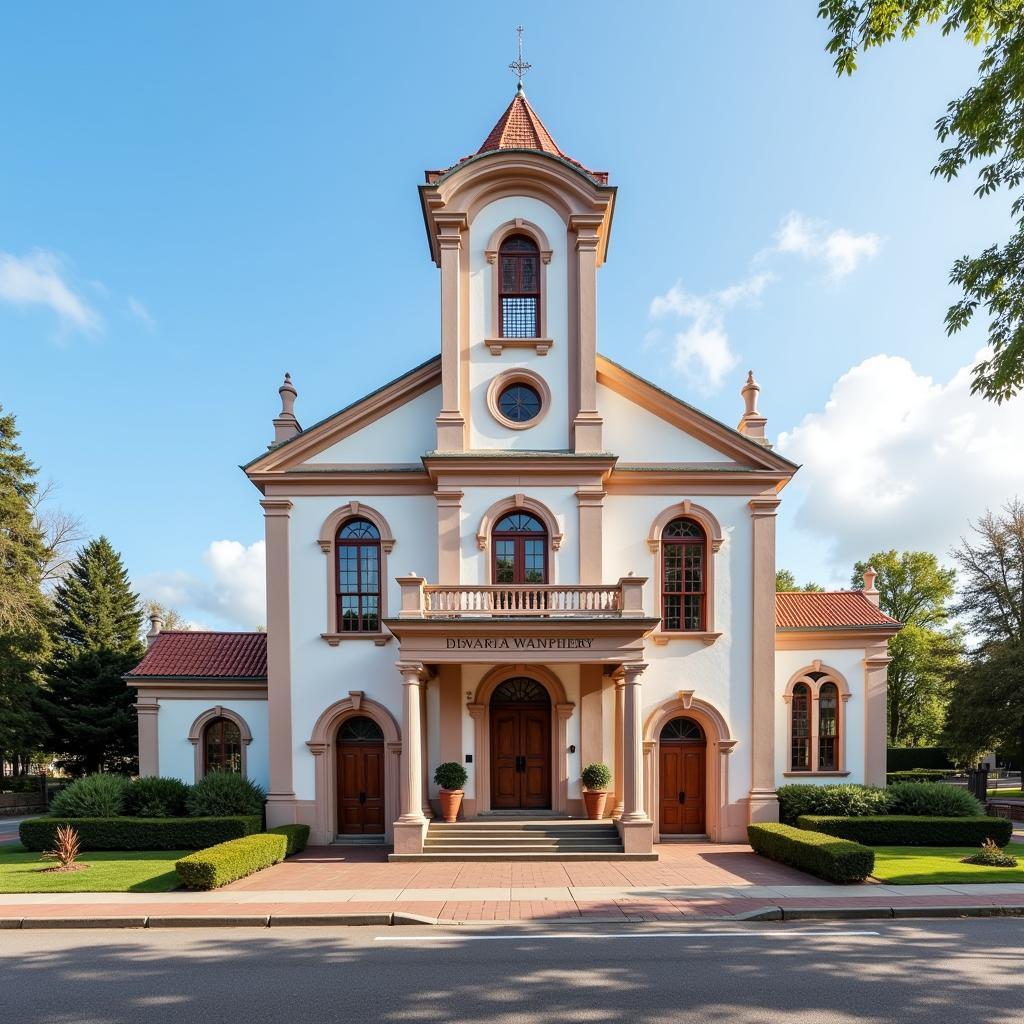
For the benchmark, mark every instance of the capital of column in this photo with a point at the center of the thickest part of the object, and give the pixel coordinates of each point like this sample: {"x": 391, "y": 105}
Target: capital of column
{"x": 763, "y": 507}
{"x": 276, "y": 507}
{"x": 412, "y": 672}
{"x": 631, "y": 672}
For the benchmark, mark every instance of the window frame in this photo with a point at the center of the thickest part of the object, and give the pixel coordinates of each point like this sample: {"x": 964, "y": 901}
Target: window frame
{"x": 221, "y": 722}
{"x": 359, "y": 544}
{"x": 519, "y": 259}
{"x": 519, "y": 553}
{"x": 495, "y": 341}
{"x": 197, "y": 737}
{"x": 683, "y": 543}
{"x": 814, "y": 678}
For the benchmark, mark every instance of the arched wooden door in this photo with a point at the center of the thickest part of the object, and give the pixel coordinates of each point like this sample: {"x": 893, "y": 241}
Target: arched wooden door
{"x": 360, "y": 783}
{"x": 520, "y": 746}
{"x": 683, "y": 757}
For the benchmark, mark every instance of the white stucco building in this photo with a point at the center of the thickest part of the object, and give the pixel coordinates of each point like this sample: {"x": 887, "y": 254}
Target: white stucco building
{"x": 523, "y": 557}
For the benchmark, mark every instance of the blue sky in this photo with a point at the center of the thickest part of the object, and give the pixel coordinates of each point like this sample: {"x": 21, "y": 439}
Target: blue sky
{"x": 185, "y": 191}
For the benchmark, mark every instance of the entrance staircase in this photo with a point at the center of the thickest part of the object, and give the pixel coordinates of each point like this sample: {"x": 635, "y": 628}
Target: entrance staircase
{"x": 521, "y": 840}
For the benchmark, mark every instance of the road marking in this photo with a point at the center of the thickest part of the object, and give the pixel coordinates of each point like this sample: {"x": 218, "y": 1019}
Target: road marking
{"x": 622, "y": 935}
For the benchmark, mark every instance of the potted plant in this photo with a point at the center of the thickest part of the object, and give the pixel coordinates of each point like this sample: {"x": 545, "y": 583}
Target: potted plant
{"x": 451, "y": 777}
{"x": 596, "y": 780}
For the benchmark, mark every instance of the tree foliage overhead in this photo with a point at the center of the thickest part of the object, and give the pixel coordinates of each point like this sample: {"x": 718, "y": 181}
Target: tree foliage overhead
{"x": 914, "y": 589}
{"x": 786, "y": 581}
{"x": 985, "y": 124}
{"x": 96, "y": 634}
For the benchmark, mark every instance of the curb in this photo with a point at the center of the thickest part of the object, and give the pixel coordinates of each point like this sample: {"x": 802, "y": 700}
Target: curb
{"x": 403, "y": 919}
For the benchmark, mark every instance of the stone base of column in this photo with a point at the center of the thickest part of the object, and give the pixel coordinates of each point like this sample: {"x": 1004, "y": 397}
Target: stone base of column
{"x": 281, "y": 809}
{"x": 763, "y": 806}
{"x": 409, "y": 836}
{"x": 587, "y": 431}
{"x": 636, "y": 836}
{"x": 451, "y": 432}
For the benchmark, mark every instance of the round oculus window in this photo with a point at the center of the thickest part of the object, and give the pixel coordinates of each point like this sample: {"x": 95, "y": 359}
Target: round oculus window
{"x": 519, "y": 402}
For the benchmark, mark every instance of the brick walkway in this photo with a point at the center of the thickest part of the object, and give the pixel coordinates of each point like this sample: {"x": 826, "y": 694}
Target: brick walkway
{"x": 689, "y": 881}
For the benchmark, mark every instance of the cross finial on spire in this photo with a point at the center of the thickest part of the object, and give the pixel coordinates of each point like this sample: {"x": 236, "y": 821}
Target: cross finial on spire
{"x": 519, "y": 67}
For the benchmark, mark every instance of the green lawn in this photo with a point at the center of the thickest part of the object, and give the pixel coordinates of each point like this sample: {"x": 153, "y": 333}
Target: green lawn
{"x": 939, "y": 865}
{"x": 128, "y": 871}
{"x": 1006, "y": 792}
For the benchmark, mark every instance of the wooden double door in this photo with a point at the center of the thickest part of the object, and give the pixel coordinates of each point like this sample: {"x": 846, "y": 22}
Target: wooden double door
{"x": 681, "y": 788}
{"x": 360, "y": 778}
{"x": 520, "y": 756}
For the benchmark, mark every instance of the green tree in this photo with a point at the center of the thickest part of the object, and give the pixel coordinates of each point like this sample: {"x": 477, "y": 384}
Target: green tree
{"x": 786, "y": 581}
{"x": 96, "y": 641}
{"x": 914, "y": 589}
{"x": 984, "y": 124}
{"x": 24, "y": 611}
{"x": 987, "y": 709}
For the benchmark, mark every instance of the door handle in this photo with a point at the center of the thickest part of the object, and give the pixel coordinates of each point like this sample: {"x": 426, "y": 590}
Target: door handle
{"x": 362, "y": 798}
{"x": 521, "y": 763}
{"x": 682, "y": 796}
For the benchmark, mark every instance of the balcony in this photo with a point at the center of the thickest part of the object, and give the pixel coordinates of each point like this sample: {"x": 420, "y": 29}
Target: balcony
{"x": 422, "y": 600}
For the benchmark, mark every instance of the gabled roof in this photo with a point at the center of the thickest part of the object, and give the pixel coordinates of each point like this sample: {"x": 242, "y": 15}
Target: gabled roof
{"x": 830, "y": 609}
{"x": 520, "y": 128}
{"x": 194, "y": 655}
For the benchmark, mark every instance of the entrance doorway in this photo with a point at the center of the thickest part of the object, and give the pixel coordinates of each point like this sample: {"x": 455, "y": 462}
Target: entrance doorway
{"x": 360, "y": 766}
{"x": 520, "y": 746}
{"x": 683, "y": 755}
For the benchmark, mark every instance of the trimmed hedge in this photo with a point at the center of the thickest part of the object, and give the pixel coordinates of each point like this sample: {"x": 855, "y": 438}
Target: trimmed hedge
{"x": 297, "y": 836}
{"x": 929, "y": 800}
{"x": 835, "y": 860}
{"x": 139, "y": 833}
{"x": 918, "y": 775}
{"x": 226, "y": 862}
{"x": 911, "y": 830}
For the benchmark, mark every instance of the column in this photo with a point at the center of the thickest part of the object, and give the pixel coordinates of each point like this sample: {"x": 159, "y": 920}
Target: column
{"x": 587, "y": 421}
{"x": 428, "y": 812}
{"x": 451, "y": 424}
{"x": 449, "y": 537}
{"x": 411, "y": 824}
{"x": 876, "y": 667}
{"x": 763, "y": 803}
{"x": 633, "y": 752}
{"x": 281, "y": 797}
{"x": 590, "y": 501}
{"x": 619, "y": 767}
{"x": 147, "y": 710}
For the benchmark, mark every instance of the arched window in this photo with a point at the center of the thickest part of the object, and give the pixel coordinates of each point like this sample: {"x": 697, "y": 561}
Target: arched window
{"x": 520, "y": 546}
{"x": 519, "y": 288}
{"x": 817, "y": 702}
{"x": 684, "y": 552}
{"x": 222, "y": 747}
{"x": 357, "y": 549}
{"x": 800, "y": 744}
{"x": 828, "y": 728}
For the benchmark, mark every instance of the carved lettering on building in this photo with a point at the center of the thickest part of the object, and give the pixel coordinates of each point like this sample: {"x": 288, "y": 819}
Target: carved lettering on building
{"x": 519, "y": 643}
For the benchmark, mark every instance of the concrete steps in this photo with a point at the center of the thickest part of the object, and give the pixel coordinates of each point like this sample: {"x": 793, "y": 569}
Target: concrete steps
{"x": 518, "y": 839}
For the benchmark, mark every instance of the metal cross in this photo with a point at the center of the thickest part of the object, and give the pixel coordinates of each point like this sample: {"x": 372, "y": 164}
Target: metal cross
{"x": 519, "y": 67}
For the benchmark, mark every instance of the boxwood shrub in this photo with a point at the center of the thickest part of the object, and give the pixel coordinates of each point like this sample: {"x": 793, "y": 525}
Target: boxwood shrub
{"x": 226, "y": 862}
{"x": 297, "y": 836}
{"x": 911, "y": 830}
{"x": 843, "y": 798}
{"x": 139, "y": 833}
{"x": 836, "y": 860}
{"x": 933, "y": 799}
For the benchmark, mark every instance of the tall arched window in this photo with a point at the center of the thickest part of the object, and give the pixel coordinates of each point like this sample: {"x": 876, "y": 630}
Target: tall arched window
{"x": 828, "y": 728}
{"x": 519, "y": 288}
{"x": 222, "y": 747}
{"x": 520, "y": 545}
{"x": 800, "y": 741}
{"x": 357, "y": 549}
{"x": 817, "y": 703}
{"x": 684, "y": 553}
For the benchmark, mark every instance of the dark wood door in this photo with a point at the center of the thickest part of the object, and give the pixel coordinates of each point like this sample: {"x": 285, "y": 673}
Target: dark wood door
{"x": 681, "y": 787}
{"x": 360, "y": 788}
{"x": 520, "y": 757}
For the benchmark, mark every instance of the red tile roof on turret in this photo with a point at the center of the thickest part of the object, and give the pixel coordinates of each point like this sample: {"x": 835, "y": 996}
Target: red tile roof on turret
{"x": 195, "y": 655}
{"x": 521, "y": 128}
{"x": 835, "y": 609}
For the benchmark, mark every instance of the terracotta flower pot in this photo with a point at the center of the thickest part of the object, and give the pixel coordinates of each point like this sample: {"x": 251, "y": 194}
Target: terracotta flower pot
{"x": 451, "y": 801}
{"x": 595, "y": 801}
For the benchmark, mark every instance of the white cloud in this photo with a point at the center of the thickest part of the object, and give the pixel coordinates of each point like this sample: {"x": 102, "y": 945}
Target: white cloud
{"x": 841, "y": 251}
{"x": 701, "y": 346}
{"x": 36, "y": 280}
{"x": 140, "y": 312}
{"x": 896, "y": 459}
{"x": 234, "y": 592}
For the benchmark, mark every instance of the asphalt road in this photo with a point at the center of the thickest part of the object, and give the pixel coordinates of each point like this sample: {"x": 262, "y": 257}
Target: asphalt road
{"x": 946, "y": 971}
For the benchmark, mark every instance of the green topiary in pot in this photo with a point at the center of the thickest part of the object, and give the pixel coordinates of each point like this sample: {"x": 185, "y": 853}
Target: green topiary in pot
{"x": 224, "y": 793}
{"x": 94, "y": 796}
{"x": 450, "y": 775}
{"x": 597, "y": 777}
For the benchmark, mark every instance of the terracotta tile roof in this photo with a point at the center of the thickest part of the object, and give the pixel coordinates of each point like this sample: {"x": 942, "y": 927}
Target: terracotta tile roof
{"x": 195, "y": 655}
{"x": 831, "y": 609}
{"x": 520, "y": 128}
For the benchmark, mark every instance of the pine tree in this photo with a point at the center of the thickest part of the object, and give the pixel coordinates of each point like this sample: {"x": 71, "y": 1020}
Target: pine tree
{"x": 24, "y": 611}
{"x": 96, "y": 641}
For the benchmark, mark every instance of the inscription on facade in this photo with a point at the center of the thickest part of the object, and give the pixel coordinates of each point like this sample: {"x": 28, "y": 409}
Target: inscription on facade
{"x": 519, "y": 643}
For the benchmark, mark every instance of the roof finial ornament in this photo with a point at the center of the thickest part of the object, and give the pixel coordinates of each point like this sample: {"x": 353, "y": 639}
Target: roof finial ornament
{"x": 286, "y": 425}
{"x": 519, "y": 67}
